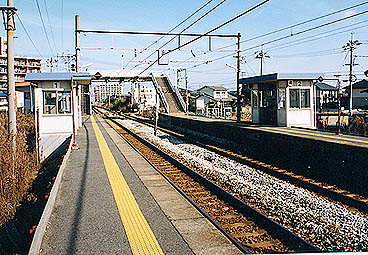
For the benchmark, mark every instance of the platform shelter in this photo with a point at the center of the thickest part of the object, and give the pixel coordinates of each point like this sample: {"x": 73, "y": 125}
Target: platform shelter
{"x": 60, "y": 101}
{"x": 283, "y": 99}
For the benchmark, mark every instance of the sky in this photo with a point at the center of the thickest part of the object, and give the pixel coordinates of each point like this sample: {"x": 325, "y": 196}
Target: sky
{"x": 316, "y": 51}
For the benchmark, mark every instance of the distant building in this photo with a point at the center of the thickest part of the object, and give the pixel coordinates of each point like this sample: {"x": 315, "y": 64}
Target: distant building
{"x": 105, "y": 90}
{"x": 143, "y": 95}
{"x": 3, "y": 101}
{"x": 22, "y": 65}
{"x": 360, "y": 95}
{"x": 27, "y": 88}
{"x": 326, "y": 96}
{"x": 212, "y": 101}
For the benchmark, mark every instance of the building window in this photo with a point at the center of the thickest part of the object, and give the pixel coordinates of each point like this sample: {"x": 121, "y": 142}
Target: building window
{"x": 282, "y": 99}
{"x": 255, "y": 98}
{"x": 299, "y": 98}
{"x": 57, "y": 102}
{"x": 49, "y": 102}
{"x": 64, "y": 102}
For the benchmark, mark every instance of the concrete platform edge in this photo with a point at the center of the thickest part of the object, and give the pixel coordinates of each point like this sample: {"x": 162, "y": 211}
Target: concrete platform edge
{"x": 41, "y": 228}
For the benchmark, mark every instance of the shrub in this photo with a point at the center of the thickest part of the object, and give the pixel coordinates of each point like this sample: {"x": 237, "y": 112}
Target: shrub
{"x": 16, "y": 173}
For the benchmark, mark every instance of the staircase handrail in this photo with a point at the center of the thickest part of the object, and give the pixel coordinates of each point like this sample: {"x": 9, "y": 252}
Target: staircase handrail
{"x": 160, "y": 93}
{"x": 177, "y": 92}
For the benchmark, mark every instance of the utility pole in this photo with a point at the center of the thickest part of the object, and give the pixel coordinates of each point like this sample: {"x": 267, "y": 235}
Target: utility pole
{"x": 350, "y": 46}
{"x": 10, "y": 28}
{"x": 238, "y": 98}
{"x": 261, "y": 55}
{"x": 77, "y": 44}
{"x": 67, "y": 59}
{"x": 50, "y": 62}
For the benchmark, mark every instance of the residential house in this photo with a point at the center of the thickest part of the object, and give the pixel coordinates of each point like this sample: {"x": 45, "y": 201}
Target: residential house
{"x": 360, "y": 95}
{"x": 212, "y": 101}
{"x": 326, "y": 96}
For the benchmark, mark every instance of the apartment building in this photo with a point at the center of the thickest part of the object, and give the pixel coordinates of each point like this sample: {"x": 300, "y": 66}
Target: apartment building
{"x": 22, "y": 65}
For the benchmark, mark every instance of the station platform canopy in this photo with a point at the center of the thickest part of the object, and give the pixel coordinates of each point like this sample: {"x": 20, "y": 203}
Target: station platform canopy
{"x": 280, "y": 76}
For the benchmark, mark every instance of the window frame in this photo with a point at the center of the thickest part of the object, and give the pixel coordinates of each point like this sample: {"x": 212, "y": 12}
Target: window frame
{"x": 57, "y": 92}
{"x": 299, "y": 98}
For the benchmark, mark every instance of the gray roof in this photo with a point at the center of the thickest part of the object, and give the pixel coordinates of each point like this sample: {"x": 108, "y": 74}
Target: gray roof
{"x": 55, "y": 76}
{"x": 324, "y": 86}
{"x": 280, "y": 76}
{"x": 360, "y": 84}
{"x": 214, "y": 88}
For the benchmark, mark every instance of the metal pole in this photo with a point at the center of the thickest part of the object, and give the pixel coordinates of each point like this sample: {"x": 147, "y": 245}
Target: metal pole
{"x": 12, "y": 117}
{"x": 156, "y": 112}
{"x": 261, "y": 58}
{"x": 238, "y": 106}
{"x": 351, "y": 77}
{"x": 186, "y": 91}
{"x": 77, "y": 44}
{"x": 339, "y": 109}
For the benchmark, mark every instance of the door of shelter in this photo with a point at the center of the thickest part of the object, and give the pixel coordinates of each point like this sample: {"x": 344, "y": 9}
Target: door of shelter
{"x": 267, "y": 104}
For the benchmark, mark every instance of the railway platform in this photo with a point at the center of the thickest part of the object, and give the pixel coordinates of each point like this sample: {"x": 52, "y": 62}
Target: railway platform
{"x": 111, "y": 201}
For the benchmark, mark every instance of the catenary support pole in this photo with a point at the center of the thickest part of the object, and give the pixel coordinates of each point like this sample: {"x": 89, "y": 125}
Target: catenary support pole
{"x": 77, "y": 44}
{"x": 238, "y": 91}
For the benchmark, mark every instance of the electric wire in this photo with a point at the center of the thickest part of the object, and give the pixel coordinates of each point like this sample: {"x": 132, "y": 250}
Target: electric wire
{"x": 48, "y": 18}
{"x": 62, "y": 25}
{"x": 298, "y": 24}
{"x": 288, "y": 36}
{"x": 210, "y": 31}
{"x": 44, "y": 28}
{"x": 182, "y": 22}
{"x": 28, "y": 35}
{"x": 186, "y": 28}
{"x": 319, "y": 36}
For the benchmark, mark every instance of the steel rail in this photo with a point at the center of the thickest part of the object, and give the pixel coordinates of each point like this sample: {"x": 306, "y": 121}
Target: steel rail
{"x": 350, "y": 199}
{"x": 276, "y": 230}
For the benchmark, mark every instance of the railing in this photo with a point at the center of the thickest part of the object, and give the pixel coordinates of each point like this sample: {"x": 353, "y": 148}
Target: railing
{"x": 160, "y": 93}
{"x": 178, "y": 95}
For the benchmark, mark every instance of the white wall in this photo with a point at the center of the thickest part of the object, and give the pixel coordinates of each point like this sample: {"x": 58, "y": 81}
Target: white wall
{"x": 55, "y": 123}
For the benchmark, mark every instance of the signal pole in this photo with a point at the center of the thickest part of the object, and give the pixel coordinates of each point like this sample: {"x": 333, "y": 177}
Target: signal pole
{"x": 350, "y": 46}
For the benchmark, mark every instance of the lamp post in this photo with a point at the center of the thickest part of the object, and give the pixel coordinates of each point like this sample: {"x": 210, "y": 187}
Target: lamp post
{"x": 320, "y": 79}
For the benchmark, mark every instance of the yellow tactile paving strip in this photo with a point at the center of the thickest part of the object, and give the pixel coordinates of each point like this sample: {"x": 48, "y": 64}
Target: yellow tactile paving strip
{"x": 140, "y": 236}
{"x": 319, "y": 135}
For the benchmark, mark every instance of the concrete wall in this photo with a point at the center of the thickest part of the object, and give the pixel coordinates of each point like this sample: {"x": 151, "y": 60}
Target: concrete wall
{"x": 333, "y": 163}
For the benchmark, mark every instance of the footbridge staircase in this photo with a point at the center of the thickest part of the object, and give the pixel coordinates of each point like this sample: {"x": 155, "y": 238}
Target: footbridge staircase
{"x": 170, "y": 96}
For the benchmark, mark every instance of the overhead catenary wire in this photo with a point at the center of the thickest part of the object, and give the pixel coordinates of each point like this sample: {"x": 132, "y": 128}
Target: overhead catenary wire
{"x": 175, "y": 27}
{"x": 210, "y": 31}
{"x": 289, "y": 36}
{"x": 62, "y": 25}
{"x": 48, "y": 19}
{"x": 28, "y": 35}
{"x": 304, "y": 40}
{"x": 44, "y": 28}
{"x": 186, "y": 28}
{"x": 319, "y": 36}
{"x": 298, "y": 24}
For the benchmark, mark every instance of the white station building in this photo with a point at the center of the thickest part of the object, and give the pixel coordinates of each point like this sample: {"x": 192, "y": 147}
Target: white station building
{"x": 60, "y": 101}
{"x": 283, "y": 99}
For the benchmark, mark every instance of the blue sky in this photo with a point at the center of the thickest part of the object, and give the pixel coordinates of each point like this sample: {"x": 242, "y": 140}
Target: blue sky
{"x": 308, "y": 54}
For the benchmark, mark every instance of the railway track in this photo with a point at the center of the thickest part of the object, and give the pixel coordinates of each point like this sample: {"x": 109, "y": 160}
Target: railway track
{"x": 349, "y": 199}
{"x": 248, "y": 229}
